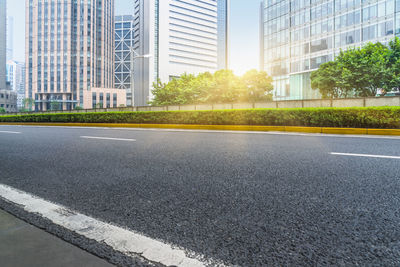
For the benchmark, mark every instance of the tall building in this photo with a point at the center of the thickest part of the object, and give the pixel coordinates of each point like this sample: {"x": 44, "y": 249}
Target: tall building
{"x": 3, "y": 43}
{"x": 223, "y": 34}
{"x": 16, "y": 78}
{"x": 177, "y": 36}
{"x": 10, "y": 38}
{"x": 123, "y": 44}
{"x": 300, "y": 35}
{"x": 69, "y": 51}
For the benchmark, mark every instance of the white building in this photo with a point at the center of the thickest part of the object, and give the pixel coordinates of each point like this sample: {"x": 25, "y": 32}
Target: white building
{"x": 10, "y": 38}
{"x": 16, "y": 77}
{"x": 3, "y": 43}
{"x": 181, "y": 36}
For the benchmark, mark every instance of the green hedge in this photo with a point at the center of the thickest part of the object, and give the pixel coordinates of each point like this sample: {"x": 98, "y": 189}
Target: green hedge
{"x": 382, "y": 117}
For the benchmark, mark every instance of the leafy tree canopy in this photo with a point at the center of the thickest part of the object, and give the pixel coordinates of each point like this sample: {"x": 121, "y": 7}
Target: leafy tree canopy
{"x": 221, "y": 87}
{"x": 360, "y": 71}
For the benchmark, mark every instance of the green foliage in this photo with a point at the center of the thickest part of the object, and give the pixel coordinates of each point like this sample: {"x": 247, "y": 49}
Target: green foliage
{"x": 360, "y": 72}
{"x": 2, "y": 110}
{"x": 54, "y": 105}
{"x": 382, "y": 117}
{"x": 221, "y": 87}
{"x": 28, "y": 103}
{"x": 78, "y": 108}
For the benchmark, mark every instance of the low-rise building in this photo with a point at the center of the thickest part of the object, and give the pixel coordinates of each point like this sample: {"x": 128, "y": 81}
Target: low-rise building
{"x": 8, "y": 100}
{"x": 104, "y": 98}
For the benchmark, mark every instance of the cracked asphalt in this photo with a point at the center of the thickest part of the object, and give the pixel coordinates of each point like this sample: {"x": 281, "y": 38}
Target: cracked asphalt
{"x": 247, "y": 199}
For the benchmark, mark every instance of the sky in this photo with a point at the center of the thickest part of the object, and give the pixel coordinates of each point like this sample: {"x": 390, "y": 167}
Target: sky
{"x": 244, "y": 31}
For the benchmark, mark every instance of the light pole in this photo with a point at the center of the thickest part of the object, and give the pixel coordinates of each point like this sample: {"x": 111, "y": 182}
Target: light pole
{"x": 135, "y": 55}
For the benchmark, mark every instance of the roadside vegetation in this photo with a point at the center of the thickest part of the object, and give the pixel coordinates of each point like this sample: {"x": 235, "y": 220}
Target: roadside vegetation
{"x": 382, "y": 117}
{"x": 360, "y": 72}
{"x": 221, "y": 87}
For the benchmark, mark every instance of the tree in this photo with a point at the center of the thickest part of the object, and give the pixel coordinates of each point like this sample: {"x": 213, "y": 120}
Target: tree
{"x": 54, "y": 105}
{"x": 28, "y": 103}
{"x": 221, "y": 87}
{"x": 78, "y": 108}
{"x": 259, "y": 86}
{"x": 364, "y": 69}
{"x": 326, "y": 80}
{"x": 2, "y": 110}
{"x": 359, "y": 71}
{"x": 393, "y": 64}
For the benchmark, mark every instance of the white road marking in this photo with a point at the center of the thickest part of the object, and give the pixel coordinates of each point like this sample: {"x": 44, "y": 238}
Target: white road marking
{"x": 10, "y": 132}
{"x": 365, "y": 155}
{"x": 120, "y": 239}
{"x": 108, "y": 138}
{"x": 220, "y": 131}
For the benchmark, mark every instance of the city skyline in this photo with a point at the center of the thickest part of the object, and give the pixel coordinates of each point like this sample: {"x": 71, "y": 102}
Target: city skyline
{"x": 244, "y": 31}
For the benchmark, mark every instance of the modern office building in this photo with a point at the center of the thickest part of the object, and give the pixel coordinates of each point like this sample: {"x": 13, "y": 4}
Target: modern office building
{"x": 300, "y": 35}
{"x": 3, "y": 43}
{"x": 223, "y": 34}
{"x": 177, "y": 36}
{"x": 16, "y": 77}
{"x": 123, "y": 44}
{"x": 69, "y": 51}
{"x": 10, "y": 38}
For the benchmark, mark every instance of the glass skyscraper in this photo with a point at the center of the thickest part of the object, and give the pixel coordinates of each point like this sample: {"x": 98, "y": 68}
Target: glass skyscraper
{"x": 223, "y": 34}
{"x": 178, "y": 36}
{"x": 123, "y": 43}
{"x": 300, "y": 35}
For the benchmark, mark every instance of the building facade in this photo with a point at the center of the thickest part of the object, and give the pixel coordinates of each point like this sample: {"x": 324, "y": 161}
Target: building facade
{"x": 16, "y": 77}
{"x": 69, "y": 50}
{"x": 223, "y": 34}
{"x": 300, "y": 35}
{"x": 10, "y": 38}
{"x": 3, "y": 43}
{"x": 176, "y": 37}
{"x": 8, "y": 100}
{"x": 123, "y": 44}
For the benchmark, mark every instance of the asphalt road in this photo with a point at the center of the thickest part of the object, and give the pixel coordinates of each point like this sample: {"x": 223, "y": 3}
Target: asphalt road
{"x": 249, "y": 199}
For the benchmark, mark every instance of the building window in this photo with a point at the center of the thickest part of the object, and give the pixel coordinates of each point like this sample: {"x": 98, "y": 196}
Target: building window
{"x": 115, "y": 102}
{"x": 94, "y": 100}
{"x": 108, "y": 100}
{"x": 101, "y": 100}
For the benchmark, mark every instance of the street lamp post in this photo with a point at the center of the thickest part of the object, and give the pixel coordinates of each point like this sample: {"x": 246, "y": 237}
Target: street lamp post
{"x": 135, "y": 55}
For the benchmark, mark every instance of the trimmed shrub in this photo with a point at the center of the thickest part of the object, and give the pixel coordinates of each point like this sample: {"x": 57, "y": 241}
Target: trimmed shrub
{"x": 378, "y": 117}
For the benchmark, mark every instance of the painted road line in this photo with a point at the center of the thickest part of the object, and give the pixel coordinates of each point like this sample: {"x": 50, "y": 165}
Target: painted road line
{"x": 9, "y": 132}
{"x": 365, "y": 155}
{"x": 213, "y": 131}
{"x": 108, "y": 138}
{"x": 120, "y": 239}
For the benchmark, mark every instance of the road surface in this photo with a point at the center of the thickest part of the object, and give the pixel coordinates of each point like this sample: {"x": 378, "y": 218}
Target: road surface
{"x": 244, "y": 198}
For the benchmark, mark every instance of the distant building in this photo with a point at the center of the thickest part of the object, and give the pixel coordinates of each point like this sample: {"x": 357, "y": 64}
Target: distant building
{"x": 123, "y": 60}
{"x": 10, "y": 38}
{"x": 300, "y": 35}
{"x": 69, "y": 51}
{"x": 223, "y": 34}
{"x": 3, "y": 43}
{"x": 16, "y": 78}
{"x": 8, "y": 100}
{"x": 177, "y": 37}
{"x": 104, "y": 98}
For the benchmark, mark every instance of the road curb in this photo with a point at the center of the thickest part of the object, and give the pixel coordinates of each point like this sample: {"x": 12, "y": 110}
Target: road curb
{"x": 323, "y": 130}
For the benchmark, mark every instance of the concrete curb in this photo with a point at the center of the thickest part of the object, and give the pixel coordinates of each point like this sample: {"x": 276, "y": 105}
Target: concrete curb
{"x": 323, "y": 130}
